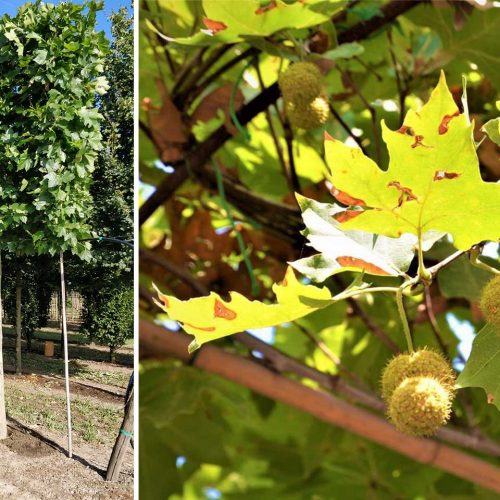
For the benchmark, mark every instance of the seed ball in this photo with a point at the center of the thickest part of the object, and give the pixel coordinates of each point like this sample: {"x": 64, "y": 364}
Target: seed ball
{"x": 308, "y": 116}
{"x": 421, "y": 363}
{"x": 420, "y": 406}
{"x": 490, "y": 301}
{"x": 300, "y": 83}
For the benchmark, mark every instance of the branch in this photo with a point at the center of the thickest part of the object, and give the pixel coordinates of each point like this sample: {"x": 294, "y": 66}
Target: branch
{"x": 156, "y": 343}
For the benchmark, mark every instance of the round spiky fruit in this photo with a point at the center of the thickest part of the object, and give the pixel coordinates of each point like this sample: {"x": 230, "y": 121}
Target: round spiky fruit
{"x": 490, "y": 301}
{"x": 420, "y": 406}
{"x": 421, "y": 363}
{"x": 308, "y": 116}
{"x": 300, "y": 83}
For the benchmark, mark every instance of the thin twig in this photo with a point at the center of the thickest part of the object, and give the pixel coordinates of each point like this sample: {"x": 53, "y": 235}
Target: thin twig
{"x": 437, "y": 267}
{"x": 329, "y": 354}
{"x": 373, "y": 114}
{"x": 372, "y": 326}
{"x": 432, "y": 320}
{"x": 346, "y": 127}
{"x": 401, "y": 91}
{"x": 196, "y": 91}
{"x": 274, "y": 135}
{"x": 291, "y": 161}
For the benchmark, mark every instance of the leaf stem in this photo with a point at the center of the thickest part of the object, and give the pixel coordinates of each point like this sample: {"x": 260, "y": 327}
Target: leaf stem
{"x": 474, "y": 260}
{"x": 404, "y": 319}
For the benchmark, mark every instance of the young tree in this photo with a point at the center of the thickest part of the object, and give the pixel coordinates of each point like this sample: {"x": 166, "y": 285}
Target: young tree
{"x": 51, "y": 64}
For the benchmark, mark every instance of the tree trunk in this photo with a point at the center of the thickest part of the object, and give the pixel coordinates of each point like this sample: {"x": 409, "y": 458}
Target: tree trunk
{"x": 112, "y": 354}
{"x": 18, "y": 329}
{"x": 3, "y": 418}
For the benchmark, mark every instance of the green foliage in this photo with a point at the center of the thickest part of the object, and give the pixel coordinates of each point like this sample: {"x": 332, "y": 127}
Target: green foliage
{"x": 109, "y": 316}
{"x": 51, "y": 64}
{"x": 482, "y": 368}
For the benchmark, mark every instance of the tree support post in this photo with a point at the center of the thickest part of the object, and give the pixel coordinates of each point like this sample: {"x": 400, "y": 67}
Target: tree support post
{"x": 3, "y": 417}
{"x": 18, "y": 328}
{"x": 66, "y": 357}
{"x": 118, "y": 453}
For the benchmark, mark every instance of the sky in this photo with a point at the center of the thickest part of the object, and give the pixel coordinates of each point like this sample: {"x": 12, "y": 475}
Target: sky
{"x": 10, "y": 7}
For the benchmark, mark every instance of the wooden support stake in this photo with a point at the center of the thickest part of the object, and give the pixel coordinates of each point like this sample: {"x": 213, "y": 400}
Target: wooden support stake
{"x": 121, "y": 443}
{"x": 18, "y": 329}
{"x": 66, "y": 357}
{"x": 3, "y": 417}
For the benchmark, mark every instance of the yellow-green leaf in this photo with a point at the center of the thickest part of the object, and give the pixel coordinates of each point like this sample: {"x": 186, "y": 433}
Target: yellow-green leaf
{"x": 211, "y": 317}
{"x": 432, "y": 183}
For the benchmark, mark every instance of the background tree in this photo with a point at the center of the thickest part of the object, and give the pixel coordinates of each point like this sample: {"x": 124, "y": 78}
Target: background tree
{"x": 106, "y": 281}
{"x": 220, "y": 162}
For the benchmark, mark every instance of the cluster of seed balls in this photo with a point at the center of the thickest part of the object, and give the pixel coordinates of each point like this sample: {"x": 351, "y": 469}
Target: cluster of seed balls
{"x": 305, "y": 105}
{"x": 418, "y": 389}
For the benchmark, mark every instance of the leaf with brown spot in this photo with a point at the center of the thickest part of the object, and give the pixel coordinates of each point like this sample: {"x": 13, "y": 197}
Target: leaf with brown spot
{"x": 348, "y": 250}
{"x": 292, "y": 302}
{"x": 464, "y": 206}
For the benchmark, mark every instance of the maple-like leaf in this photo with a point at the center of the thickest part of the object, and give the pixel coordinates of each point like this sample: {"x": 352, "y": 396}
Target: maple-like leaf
{"x": 211, "y": 317}
{"x": 348, "y": 250}
{"x": 432, "y": 183}
{"x": 228, "y": 21}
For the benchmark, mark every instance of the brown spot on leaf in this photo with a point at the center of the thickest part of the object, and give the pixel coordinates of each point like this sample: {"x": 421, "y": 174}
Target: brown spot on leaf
{"x": 406, "y": 193}
{"x": 327, "y": 137}
{"x": 221, "y": 311}
{"x": 491, "y": 398}
{"x": 441, "y": 174}
{"x": 164, "y": 300}
{"x": 346, "y": 261}
{"x": 346, "y": 215}
{"x": 345, "y": 198}
{"x": 214, "y": 26}
{"x": 406, "y": 130}
{"x": 284, "y": 282}
{"x": 265, "y": 8}
{"x": 418, "y": 142}
{"x": 443, "y": 126}
{"x": 201, "y": 328}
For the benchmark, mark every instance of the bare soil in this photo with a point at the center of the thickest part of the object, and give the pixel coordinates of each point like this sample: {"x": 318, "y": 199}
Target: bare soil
{"x": 33, "y": 459}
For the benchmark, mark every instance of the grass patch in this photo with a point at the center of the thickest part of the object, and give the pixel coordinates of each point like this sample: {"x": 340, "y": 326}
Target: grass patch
{"x": 92, "y": 422}
{"x": 77, "y": 370}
